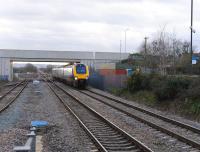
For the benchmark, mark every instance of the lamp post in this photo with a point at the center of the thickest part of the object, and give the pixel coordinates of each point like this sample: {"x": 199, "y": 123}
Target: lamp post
{"x": 120, "y": 49}
{"x": 125, "y": 39}
{"x": 191, "y": 27}
{"x": 145, "y": 56}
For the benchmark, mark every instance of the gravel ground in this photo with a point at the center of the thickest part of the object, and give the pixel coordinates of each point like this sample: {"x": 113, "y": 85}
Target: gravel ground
{"x": 153, "y": 139}
{"x": 3, "y": 90}
{"x": 164, "y": 113}
{"x": 2, "y": 83}
{"x": 37, "y": 102}
{"x": 96, "y": 125}
{"x": 181, "y": 131}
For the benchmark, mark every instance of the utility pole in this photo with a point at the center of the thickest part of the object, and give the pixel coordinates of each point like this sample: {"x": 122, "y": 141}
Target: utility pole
{"x": 145, "y": 45}
{"x": 174, "y": 57}
{"x": 145, "y": 56}
{"x": 125, "y": 39}
{"x": 120, "y": 49}
{"x": 191, "y": 27}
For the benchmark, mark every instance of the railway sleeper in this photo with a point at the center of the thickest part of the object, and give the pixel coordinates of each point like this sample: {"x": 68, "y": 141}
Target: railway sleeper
{"x": 114, "y": 148}
{"x": 99, "y": 127}
{"x": 118, "y": 144}
{"x": 105, "y": 134}
{"x": 109, "y": 136}
{"x": 114, "y": 141}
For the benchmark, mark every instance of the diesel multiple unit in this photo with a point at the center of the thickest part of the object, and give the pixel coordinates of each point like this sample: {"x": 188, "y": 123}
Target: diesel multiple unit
{"x": 76, "y": 74}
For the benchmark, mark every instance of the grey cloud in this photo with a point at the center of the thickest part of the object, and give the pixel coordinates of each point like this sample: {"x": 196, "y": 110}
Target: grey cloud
{"x": 89, "y": 24}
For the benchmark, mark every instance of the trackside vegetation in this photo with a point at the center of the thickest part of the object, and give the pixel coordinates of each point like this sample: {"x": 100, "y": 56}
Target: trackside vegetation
{"x": 179, "y": 94}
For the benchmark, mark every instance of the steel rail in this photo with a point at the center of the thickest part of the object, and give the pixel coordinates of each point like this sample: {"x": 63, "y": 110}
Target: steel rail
{"x": 132, "y": 139}
{"x": 10, "y": 102}
{"x": 162, "y": 129}
{"x": 175, "y": 122}
{"x": 11, "y": 84}
{"x": 94, "y": 139}
{"x": 16, "y": 85}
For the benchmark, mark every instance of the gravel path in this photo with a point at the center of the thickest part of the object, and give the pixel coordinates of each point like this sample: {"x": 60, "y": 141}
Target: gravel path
{"x": 154, "y": 139}
{"x": 37, "y": 102}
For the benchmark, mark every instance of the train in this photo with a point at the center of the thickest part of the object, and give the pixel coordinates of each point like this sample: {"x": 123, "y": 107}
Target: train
{"x": 76, "y": 75}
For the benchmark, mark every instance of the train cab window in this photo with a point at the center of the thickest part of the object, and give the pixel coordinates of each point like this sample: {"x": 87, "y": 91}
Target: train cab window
{"x": 80, "y": 69}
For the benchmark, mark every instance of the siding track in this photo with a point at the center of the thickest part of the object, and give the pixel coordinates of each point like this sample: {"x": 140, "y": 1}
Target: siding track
{"x": 10, "y": 96}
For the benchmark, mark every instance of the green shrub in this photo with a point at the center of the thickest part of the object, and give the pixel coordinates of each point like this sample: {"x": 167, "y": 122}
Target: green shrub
{"x": 146, "y": 96}
{"x": 164, "y": 87}
{"x": 193, "y": 91}
{"x": 135, "y": 82}
{"x": 116, "y": 91}
{"x": 191, "y": 107}
{"x": 139, "y": 82}
{"x": 195, "y": 107}
{"x": 171, "y": 87}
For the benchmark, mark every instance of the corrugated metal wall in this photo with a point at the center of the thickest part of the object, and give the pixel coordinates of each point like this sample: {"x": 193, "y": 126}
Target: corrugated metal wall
{"x": 106, "y": 79}
{"x": 5, "y": 69}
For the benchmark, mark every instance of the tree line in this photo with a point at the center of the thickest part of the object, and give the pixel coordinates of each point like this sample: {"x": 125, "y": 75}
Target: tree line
{"x": 167, "y": 54}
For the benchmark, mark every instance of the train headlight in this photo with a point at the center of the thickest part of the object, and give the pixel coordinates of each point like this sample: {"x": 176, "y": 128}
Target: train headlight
{"x": 86, "y": 78}
{"x": 76, "y": 78}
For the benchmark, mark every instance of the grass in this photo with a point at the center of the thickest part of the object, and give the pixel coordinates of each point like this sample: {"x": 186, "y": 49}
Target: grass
{"x": 145, "y": 97}
{"x": 189, "y": 108}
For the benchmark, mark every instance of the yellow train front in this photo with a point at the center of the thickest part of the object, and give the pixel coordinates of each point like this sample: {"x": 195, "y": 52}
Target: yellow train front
{"x": 76, "y": 74}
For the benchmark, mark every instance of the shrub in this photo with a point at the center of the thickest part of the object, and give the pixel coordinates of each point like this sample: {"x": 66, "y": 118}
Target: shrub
{"x": 116, "y": 91}
{"x": 146, "y": 96}
{"x": 193, "y": 91}
{"x": 164, "y": 87}
{"x": 135, "y": 82}
{"x": 169, "y": 88}
{"x": 139, "y": 82}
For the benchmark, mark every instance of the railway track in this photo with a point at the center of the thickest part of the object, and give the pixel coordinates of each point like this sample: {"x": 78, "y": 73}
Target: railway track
{"x": 9, "y": 84}
{"x": 7, "y": 88}
{"x": 181, "y": 131}
{"x": 183, "y": 134}
{"x": 120, "y": 101}
{"x": 105, "y": 135}
{"x": 11, "y": 95}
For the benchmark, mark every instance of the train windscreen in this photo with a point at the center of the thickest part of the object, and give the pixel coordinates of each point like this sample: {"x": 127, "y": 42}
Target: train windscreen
{"x": 80, "y": 69}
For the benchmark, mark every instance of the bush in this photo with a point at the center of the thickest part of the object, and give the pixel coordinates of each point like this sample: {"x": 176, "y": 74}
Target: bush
{"x": 139, "y": 82}
{"x": 164, "y": 87}
{"x": 193, "y": 91}
{"x": 146, "y": 96}
{"x": 135, "y": 82}
{"x": 116, "y": 91}
{"x": 171, "y": 87}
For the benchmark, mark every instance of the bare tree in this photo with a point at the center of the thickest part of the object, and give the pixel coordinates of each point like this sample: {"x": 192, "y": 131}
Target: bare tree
{"x": 163, "y": 51}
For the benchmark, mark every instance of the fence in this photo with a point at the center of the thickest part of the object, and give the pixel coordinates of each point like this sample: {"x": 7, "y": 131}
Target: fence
{"x": 105, "y": 79}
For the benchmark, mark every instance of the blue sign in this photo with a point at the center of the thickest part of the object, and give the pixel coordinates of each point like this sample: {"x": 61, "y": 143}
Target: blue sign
{"x": 195, "y": 59}
{"x": 129, "y": 72}
{"x": 39, "y": 123}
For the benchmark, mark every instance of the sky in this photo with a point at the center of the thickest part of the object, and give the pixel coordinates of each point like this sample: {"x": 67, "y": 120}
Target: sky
{"x": 92, "y": 25}
{"x": 39, "y": 64}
